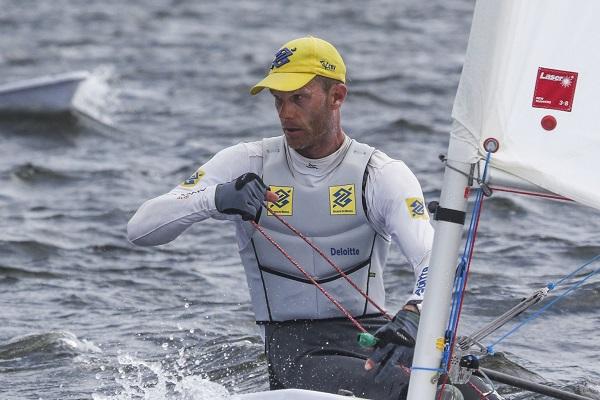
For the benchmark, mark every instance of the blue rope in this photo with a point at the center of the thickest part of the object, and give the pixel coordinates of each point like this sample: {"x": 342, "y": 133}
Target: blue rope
{"x": 547, "y": 306}
{"x": 440, "y": 370}
{"x": 461, "y": 269}
{"x": 552, "y": 285}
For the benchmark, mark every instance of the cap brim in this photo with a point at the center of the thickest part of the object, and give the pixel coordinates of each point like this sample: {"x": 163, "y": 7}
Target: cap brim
{"x": 283, "y": 81}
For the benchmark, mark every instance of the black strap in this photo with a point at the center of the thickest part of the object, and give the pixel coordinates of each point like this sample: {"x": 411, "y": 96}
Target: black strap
{"x": 319, "y": 281}
{"x": 450, "y": 215}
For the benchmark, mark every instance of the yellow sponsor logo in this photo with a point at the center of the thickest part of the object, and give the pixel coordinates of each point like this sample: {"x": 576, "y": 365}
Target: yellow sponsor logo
{"x": 192, "y": 180}
{"x": 283, "y": 206}
{"x": 440, "y": 343}
{"x": 342, "y": 200}
{"x": 416, "y": 208}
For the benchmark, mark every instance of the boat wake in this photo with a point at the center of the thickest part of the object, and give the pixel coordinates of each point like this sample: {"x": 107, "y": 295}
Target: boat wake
{"x": 154, "y": 381}
{"x": 95, "y": 98}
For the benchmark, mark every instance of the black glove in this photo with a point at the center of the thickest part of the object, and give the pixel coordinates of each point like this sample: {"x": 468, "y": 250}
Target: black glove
{"x": 396, "y": 344}
{"x": 244, "y": 196}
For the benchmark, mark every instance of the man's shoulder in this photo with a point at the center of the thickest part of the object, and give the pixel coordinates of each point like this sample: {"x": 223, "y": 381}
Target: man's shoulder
{"x": 389, "y": 173}
{"x": 274, "y": 143}
{"x": 249, "y": 149}
{"x": 380, "y": 160}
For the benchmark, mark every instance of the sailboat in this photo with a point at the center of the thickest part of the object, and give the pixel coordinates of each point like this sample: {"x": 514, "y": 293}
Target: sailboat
{"x": 527, "y": 105}
{"x": 50, "y": 93}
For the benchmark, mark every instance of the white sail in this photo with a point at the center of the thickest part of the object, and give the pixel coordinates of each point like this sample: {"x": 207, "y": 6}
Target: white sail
{"x": 531, "y": 80}
{"x": 528, "y": 59}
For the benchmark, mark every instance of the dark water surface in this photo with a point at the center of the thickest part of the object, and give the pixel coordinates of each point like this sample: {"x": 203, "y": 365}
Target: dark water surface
{"x": 84, "y": 314}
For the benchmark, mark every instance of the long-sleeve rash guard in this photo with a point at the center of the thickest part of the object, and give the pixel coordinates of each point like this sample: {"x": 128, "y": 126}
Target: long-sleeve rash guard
{"x": 394, "y": 199}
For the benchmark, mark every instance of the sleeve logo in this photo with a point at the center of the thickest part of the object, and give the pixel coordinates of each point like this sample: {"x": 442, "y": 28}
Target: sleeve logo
{"x": 283, "y": 206}
{"x": 193, "y": 180}
{"x": 416, "y": 208}
{"x": 342, "y": 200}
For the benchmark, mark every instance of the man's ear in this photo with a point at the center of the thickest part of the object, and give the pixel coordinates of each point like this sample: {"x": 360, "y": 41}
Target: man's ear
{"x": 338, "y": 95}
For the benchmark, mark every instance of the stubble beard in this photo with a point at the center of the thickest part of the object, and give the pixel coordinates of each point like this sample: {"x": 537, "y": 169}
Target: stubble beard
{"x": 316, "y": 137}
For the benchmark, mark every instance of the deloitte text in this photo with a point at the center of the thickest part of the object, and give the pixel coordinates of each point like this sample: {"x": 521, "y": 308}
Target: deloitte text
{"x": 348, "y": 251}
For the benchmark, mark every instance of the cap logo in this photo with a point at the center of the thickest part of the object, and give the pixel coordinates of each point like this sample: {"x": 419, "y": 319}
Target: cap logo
{"x": 327, "y": 66}
{"x": 282, "y": 57}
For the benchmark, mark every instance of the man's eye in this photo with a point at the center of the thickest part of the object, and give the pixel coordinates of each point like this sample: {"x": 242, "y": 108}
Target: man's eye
{"x": 298, "y": 97}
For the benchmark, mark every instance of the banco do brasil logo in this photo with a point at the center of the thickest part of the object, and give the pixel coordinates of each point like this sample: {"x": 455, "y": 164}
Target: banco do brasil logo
{"x": 284, "y": 205}
{"x": 282, "y": 57}
{"x": 342, "y": 200}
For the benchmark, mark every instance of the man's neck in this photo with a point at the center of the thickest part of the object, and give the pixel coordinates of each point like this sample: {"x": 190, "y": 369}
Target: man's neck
{"x": 324, "y": 149}
{"x": 311, "y": 168}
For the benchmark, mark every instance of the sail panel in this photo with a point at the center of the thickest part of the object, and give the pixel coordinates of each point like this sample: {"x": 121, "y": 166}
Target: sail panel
{"x": 531, "y": 79}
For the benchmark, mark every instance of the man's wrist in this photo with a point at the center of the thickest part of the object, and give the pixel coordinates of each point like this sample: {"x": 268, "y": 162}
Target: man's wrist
{"x": 413, "y": 306}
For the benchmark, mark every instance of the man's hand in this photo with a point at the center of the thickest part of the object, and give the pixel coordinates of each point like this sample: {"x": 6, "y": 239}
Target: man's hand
{"x": 395, "y": 346}
{"x": 244, "y": 196}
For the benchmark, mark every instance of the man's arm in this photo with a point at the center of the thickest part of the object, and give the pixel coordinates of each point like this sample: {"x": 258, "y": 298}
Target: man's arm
{"x": 398, "y": 209}
{"x": 162, "y": 219}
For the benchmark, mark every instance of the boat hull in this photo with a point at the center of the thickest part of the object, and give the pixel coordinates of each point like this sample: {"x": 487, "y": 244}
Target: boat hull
{"x": 291, "y": 394}
{"x": 53, "y": 93}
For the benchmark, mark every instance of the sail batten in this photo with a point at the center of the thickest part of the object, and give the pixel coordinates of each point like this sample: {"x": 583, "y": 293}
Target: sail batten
{"x": 531, "y": 79}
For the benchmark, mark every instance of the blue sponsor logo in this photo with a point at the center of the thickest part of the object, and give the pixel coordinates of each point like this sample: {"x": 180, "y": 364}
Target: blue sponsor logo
{"x": 348, "y": 251}
{"x": 282, "y": 57}
{"x": 422, "y": 282}
{"x": 417, "y": 208}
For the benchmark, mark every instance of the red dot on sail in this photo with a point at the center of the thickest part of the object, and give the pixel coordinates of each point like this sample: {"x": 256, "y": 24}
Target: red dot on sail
{"x": 548, "y": 122}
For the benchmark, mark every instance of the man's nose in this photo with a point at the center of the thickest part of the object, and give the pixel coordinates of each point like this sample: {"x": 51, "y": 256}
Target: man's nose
{"x": 285, "y": 110}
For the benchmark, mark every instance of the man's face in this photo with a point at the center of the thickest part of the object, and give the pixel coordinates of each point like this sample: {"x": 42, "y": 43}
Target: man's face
{"x": 305, "y": 116}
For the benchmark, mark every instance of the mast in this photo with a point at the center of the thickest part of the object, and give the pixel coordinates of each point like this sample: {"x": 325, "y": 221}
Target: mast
{"x": 447, "y": 241}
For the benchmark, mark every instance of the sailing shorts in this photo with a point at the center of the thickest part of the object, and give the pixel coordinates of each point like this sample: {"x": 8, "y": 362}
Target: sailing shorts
{"x": 324, "y": 355}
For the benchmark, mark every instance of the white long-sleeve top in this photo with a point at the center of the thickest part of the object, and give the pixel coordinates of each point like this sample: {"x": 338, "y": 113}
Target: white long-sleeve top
{"x": 390, "y": 195}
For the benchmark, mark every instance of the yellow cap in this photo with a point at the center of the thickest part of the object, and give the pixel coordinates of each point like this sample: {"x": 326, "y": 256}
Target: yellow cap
{"x": 299, "y": 61}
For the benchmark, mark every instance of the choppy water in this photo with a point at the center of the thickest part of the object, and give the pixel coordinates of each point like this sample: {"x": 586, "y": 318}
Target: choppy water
{"x": 83, "y": 314}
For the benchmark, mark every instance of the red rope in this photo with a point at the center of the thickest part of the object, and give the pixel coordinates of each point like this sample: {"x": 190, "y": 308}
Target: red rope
{"x": 547, "y": 196}
{"x": 482, "y": 395}
{"x": 330, "y": 262}
{"x": 310, "y": 278}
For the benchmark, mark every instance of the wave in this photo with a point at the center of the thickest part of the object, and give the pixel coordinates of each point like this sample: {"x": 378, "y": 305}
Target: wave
{"x": 30, "y": 248}
{"x": 54, "y": 343}
{"x": 32, "y": 173}
{"x": 12, "y": 272}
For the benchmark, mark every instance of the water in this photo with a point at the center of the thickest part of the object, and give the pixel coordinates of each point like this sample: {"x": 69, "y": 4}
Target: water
{"x": 84, "y": 314}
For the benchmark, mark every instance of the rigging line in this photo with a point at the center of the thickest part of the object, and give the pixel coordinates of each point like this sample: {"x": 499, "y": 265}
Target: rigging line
{"x": 309, "y": 277}
{"x": 527, "y": 193}
{"x": 553, "y": 285}
{"x": 330, "y": 262}
{"x": 543, "y": 309}
{"x": 463, "y": 274}
{"x": 476, "y": 337}
{"x": 462, "y": 280}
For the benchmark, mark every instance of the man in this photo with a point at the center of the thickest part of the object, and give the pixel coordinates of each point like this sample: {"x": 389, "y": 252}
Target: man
{"x": 348, "y": 198}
